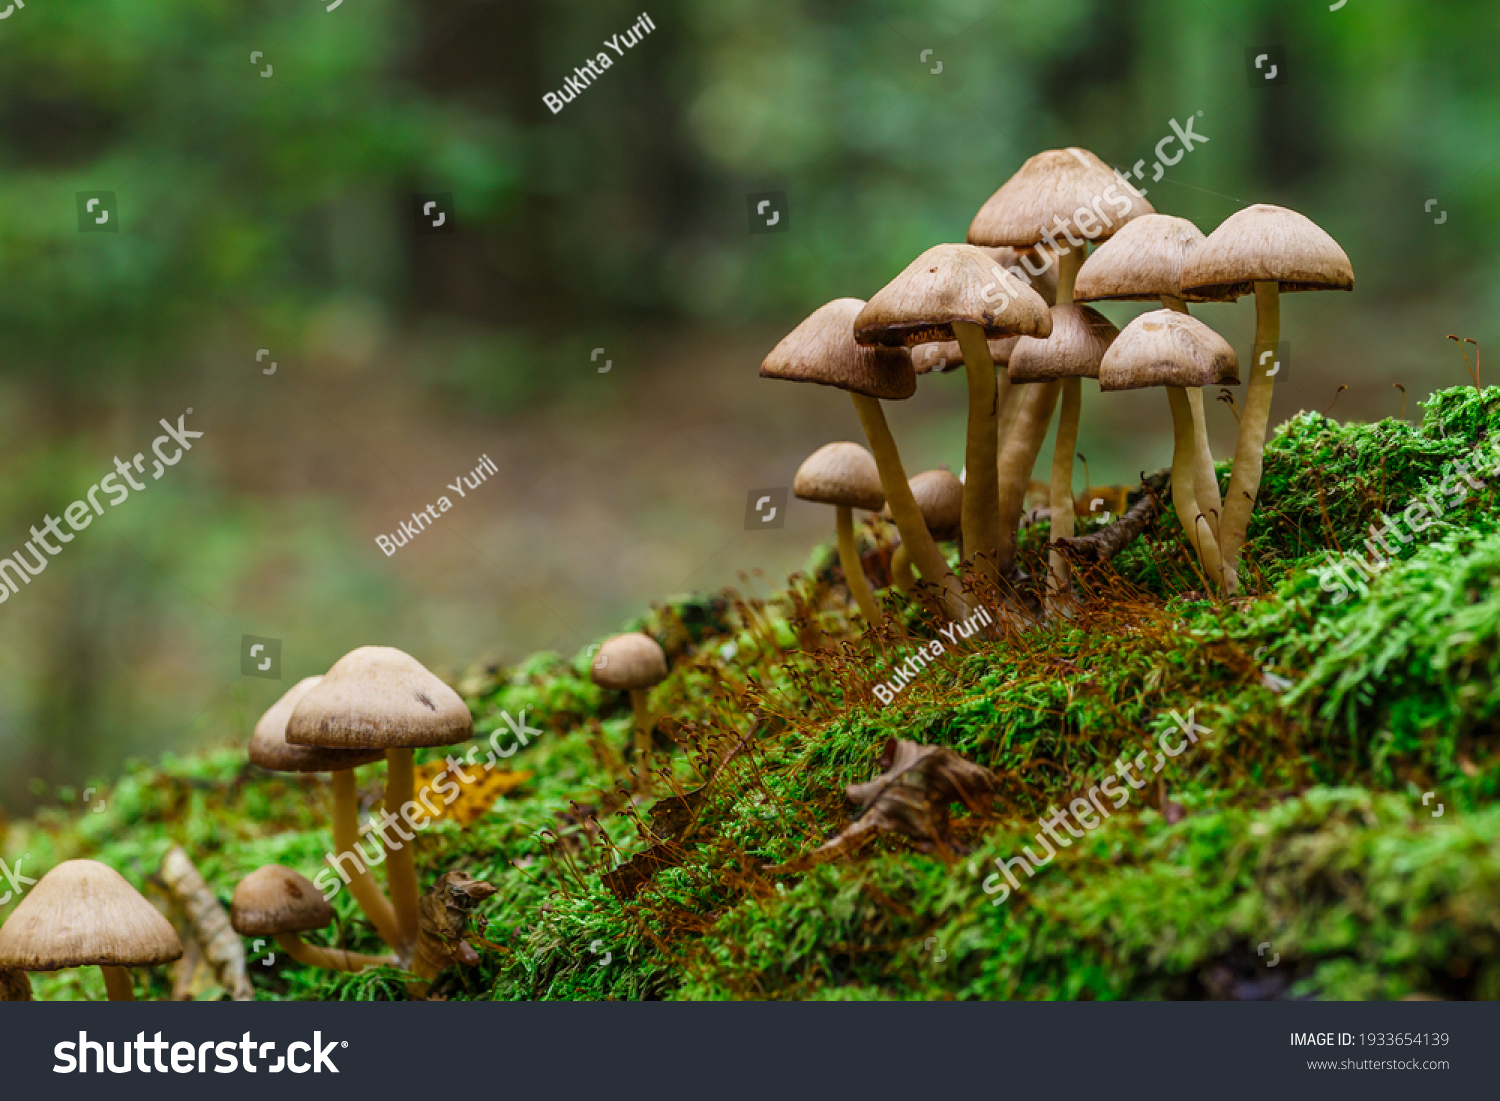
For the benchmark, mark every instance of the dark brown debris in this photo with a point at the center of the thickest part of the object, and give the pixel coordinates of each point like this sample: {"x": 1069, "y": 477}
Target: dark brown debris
{"x": 911, "y": 796}
{"x": 443, "y": 920}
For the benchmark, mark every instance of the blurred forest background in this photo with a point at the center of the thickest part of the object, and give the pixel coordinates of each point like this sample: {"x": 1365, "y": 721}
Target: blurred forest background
{"x": 276, "y": 212}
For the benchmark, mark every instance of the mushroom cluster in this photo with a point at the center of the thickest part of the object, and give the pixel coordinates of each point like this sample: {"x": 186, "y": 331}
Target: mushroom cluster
{"x": 1009, "y": 306}
{"x": 376, "y": 703}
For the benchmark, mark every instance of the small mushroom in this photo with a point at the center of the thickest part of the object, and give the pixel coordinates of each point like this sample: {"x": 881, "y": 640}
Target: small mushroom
{"x": 270, "y": 750}
{"x": 958, "y": 291}
{"x": 844, "y": 475}
{"x": 940, "y": 497}
{"x": 1144, "y": 261}
{"x": 822, "y": 350}
{"x": 633, "y": 663}
{"x": 377, "y": 697}
{"x": 1270, "y": 250}
{"x": 1171, "y": 349}
{"x": 81, "y": 914}
{"x": 1060, "y": 191}
{"x": 277, "y": 902}
{"x": 1080, "y": 337}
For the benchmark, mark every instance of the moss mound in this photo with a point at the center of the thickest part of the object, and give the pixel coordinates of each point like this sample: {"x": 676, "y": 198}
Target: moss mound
{"x": 1292, "y": 832}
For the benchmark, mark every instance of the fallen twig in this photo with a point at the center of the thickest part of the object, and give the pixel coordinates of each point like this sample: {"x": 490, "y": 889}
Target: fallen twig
{"x": 1104, "y": 544}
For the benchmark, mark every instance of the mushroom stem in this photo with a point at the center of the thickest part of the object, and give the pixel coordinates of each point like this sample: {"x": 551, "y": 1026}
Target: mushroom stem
{"x": 1024, "y": 444}
{"x": 1205, "y": 477}
{"x": 117, "y": 983}
{"x": 1018, "y": 457}
{"x": 1184, "y": 488}
{"x": 643, "y": 727}
{"x": 1004, "y": 392}
{"x": 901, "y": 575}
{"x": 1069, "y": 261}
{"x": 981, "y": 500}
{"x": 1061, "y": 505}
{"x": 854, "y": 572}
{"x": 330, "y": 959}
{"x": 904, "y": 511}
{"x": 1244, "y": 481}
{"x": 400, "y": 862}
{"x": 362, "y": 885}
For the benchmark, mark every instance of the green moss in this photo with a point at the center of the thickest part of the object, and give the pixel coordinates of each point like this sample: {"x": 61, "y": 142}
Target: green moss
{"x": 1303, "y": 825}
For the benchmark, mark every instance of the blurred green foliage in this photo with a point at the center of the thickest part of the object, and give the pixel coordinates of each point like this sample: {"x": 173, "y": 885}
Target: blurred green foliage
{"x": 276, "y": 211}
{"x": 243, "y": 195}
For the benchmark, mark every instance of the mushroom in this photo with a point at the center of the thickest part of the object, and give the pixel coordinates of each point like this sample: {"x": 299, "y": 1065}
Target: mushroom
{"x": 1144, "y": 262}
{"x": 270, "y": 750}
{"x": 958, "y": 292}
{"x": 1021, "y": 263}
{"x": 1171, "y": 349}
{"x": 377, "y": 697}
{"x": 1057, "y": 191}
{"x": 1270, "y": 250}
{"x": 1080, "y": 337}
{"x": 634, "y": 663}
{"x": 822, "y": 350}
{"x": 81, "y": 914}
{"x": 844, "y": 475}
{"x": 277, "y": 902}
{"x": 940, "y": 496}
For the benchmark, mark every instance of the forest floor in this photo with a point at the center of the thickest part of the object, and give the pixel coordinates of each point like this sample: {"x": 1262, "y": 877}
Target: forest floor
{"x": 1332, "y": 832}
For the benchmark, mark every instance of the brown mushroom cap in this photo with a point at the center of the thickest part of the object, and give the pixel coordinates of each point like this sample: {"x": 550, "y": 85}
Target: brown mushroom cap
{"x": 1057, "y": 183}
{"x": 1080, "y": 337}
{"x": 275, "y": 900}
{"x": 1167, "y": 348}
{"x": 629, "y": 661}
{"x": 84, "y": 913}
{"x": 940, "y": 496}
{"x": 1265, "y": 244}
{"x": 822, "y": 350}
{"x": 841, "y": 474}
{"x": 378, "y": 697}
{"x": 270, "y": 750}
{"x": 1015, "y": 260}
{"x": 1143, "y": 261}
{"x": 949, "y": 283}
{"x": 942, "y": 356}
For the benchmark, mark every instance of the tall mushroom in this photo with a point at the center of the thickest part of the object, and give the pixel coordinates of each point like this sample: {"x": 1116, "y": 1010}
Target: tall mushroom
{"x": 84, "y": 914}
{"x": 1171, "y": 349}
{"x": 1066, "y": 192}
{"x": 270, "y": 750}
{"x": 940, "y": 496}
{"x": 377, "y": 697}
{"x": 1269, "y": 250}
{"x": 1080, "y": 336}
{"x": 277, "y": 902}
{"x": 959, "y": 292}
{"x": 1144, "y": 262}
{"x": 844, "y": 475}
{"x": 822, "y": 350}
{"x": 633, "y": 663}
{"x": 1035, "y": 268}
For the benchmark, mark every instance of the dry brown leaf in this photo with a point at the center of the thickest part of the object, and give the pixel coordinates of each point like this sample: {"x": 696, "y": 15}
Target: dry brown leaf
{"x": 911, "y": 796}
{"x": 443, "y": 921}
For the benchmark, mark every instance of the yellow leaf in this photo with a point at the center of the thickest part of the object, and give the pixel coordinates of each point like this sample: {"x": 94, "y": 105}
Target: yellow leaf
{"x": 475, "y": 796}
